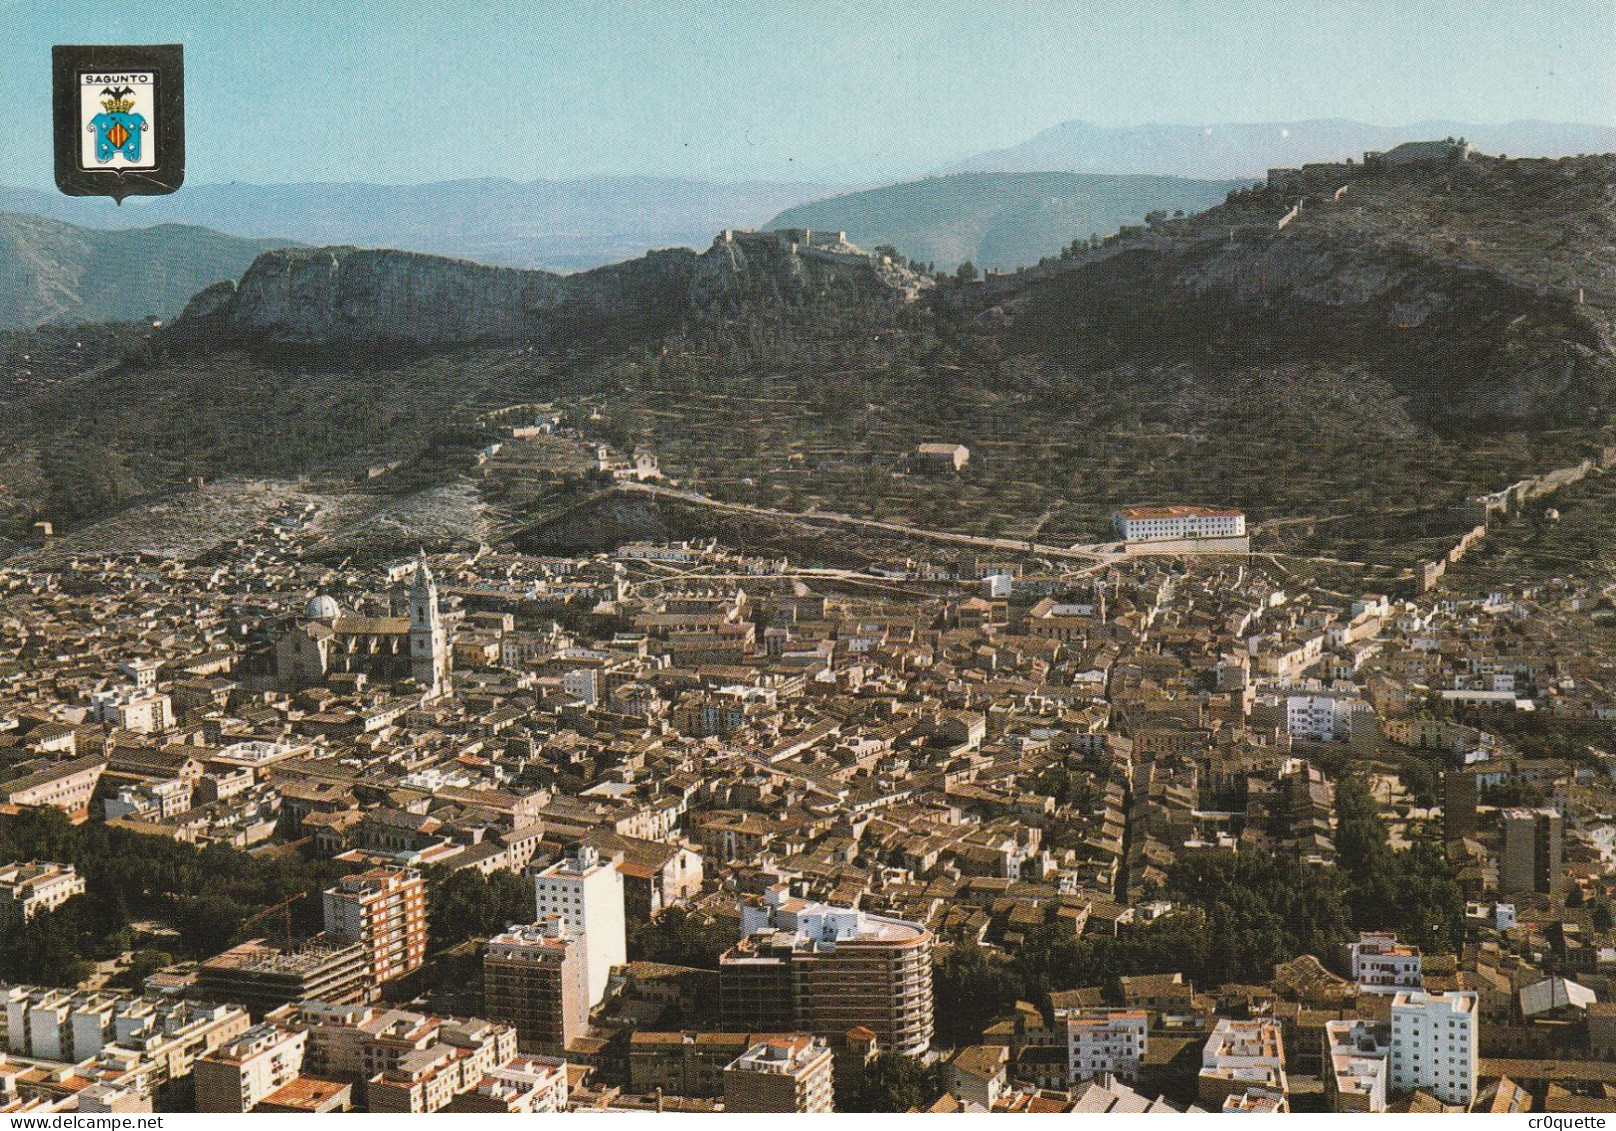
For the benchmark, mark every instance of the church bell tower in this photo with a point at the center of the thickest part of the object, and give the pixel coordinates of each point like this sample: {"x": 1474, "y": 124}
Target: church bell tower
{"x": 429, "y": 643}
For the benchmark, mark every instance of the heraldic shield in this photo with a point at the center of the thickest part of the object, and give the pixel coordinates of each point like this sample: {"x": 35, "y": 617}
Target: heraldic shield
{"x": 117, "y": 129}
{"x": 119, "y": 114}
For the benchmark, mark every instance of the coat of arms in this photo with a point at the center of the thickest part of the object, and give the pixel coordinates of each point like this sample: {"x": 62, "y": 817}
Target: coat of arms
{"x": 119, "y": 116}
{"x": 117, "y": 128}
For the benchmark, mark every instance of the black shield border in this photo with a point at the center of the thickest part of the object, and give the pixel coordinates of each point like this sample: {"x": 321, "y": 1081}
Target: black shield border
{"x": 168, "y": 61}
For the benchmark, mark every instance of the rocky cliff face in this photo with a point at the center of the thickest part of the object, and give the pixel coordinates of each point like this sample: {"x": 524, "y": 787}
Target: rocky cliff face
{"x": 1476, "y": 298}
{"x": 313, "y": 296}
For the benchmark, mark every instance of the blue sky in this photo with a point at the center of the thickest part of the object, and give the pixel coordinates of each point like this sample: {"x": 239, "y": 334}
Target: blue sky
{"x": 845, "y": 92}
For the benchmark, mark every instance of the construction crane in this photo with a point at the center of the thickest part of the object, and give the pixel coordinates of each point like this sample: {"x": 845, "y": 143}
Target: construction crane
{"x": 284, "y": 907}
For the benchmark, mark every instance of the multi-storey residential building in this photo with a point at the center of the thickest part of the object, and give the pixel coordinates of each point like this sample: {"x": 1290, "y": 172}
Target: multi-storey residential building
{"x": 1326, "y": 718}
{"x": 153, "y": 801}
{"x": 383, "y": 910}
{"x": 235, "y": 1077}
{"x": 536, "y": 979}
{"x": 262, "y": 977}
{"x": 1434, "y": 1044}
{"x": 782, "y": 1074}
{"x": 1104, "y": 1043}
{"x": 587, "y": 892}
{"x": 28, "y": 889}
{"x": 68, "y": 786}
{"x": 1356, "y": 1063}
{"x": 1382, "y": 965}
{"x": 824, "y": 969}
{"x": 427, "y": 1076}
{"x": 406, "y": 1062}
{"x": 160, "y": 1038}
{"x": 527, "y": 1085}
{"x": 1242, "y": 1059}
{"x": 133, "y": 709}
{"x": 1534, "y": 841}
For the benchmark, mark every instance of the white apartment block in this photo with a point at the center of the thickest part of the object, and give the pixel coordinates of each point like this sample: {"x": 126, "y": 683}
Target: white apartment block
{"x": 28, "y": 889}
{"x": 527, "y": 1085}
{"x": 1151, "y": 524}
{"x": 1382, "y": 965}
{"x": 1434, "y": 1044}
{"x": 588, "y": 893}
{"x": 1104, "y": 1043}
{"x": 1321, "y": 718}
{"x": 238, "y": 1076}
{"x": 1241, "y": 1058}
{"x": 133, "y": 708}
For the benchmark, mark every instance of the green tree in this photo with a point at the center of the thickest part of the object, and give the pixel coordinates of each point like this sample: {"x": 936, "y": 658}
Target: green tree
{"x": 894, "y": 1083}
{"x": 679, "y": 938}
{"x": 977, "y": 987}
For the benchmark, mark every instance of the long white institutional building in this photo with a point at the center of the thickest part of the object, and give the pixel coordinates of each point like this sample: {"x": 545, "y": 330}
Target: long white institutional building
{"x": 1157, "y": 524}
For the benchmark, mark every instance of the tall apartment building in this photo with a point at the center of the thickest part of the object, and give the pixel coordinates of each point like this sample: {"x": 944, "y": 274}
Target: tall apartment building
{"x": 1382, "y": 965}
{"x": 536, "y": 979}
{"x": 383, "y": 910}
{"x": 237, "y": 1076}
{"x": 1244, "y": 1061}
{"x": 1533, "y": 844}
{"x": 823, "y": 969}
{"x": 587, "y": 892}
{"x": 1434, "y": 1044}
{"x": 28, "y": 889}
{"x": 1105, "y": 1042}
{"x": 781, "y": 1075}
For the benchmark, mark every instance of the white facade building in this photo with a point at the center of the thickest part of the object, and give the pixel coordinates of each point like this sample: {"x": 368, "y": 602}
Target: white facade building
{"x": 1322, "y": 718}
{"x": 1106, "y": 1042}
{"x": 133, "y": 708}
{"x": 583, "y": 684}
{"x": 28, "y": 889}
{"x": 1357, "y": 1054}
{"x": 588, "y": 893}
{"x": 1382, "y": 965}
{"x": 1434, "y": 1044}
{"x": 1149, "y": 524}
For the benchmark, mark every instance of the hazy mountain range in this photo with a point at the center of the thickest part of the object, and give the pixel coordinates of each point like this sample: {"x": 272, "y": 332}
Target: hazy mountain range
{"x": 1249, "y": 149}
{"x": 557, "y": 225}
{"x": 1003, "y": 208}
{"x": 999, "y": 219}
{"x": 53, "y": 272}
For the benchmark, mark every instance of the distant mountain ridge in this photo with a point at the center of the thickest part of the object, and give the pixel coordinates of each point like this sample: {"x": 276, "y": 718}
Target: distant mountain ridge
{"x": 554, "y": 225}
{"x": 56, "y": 272}
{"x": 999, "y": 220}
{"x": 1249, "y": 149}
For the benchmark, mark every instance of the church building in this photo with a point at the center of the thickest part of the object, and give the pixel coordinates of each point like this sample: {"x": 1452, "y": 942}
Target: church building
{"x": 328, "y": 641}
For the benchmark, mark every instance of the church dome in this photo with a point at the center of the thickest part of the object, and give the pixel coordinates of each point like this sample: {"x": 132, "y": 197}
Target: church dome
{"x": 322, "y": 608}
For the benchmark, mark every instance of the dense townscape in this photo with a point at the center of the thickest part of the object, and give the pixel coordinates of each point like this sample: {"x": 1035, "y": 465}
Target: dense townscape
{"x": 1095, "y": 637}
{"x": 687, "y": 827}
